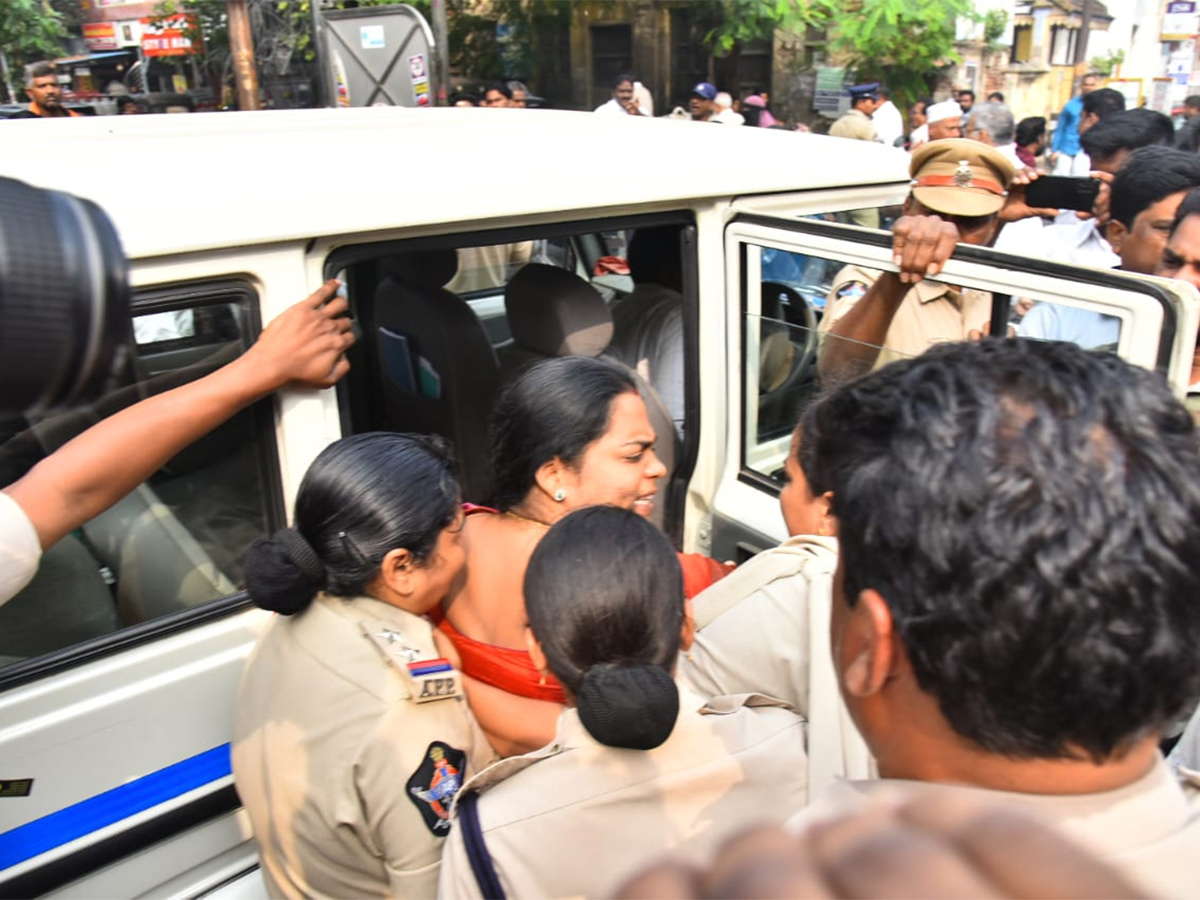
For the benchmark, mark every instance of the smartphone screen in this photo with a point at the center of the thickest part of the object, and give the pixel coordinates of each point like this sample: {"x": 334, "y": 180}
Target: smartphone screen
{"x": 1060, "y": 192}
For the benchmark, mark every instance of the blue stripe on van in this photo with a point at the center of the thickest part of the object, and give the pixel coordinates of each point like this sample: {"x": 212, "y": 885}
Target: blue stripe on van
{"x": 82, "y": 818}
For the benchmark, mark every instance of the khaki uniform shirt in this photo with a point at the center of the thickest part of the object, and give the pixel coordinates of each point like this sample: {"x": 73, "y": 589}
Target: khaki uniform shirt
{"x": 1149, "y": 830}
{"x": 764, "y": 628}
{"x": 930, "y": 313}
{"x": 348, "y": 781}
{"x": 855, "y": 124}
{"x": 577, "y": 818}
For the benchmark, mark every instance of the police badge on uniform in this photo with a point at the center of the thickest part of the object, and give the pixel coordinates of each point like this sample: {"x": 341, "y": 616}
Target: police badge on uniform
{"x": 433, "y": 786}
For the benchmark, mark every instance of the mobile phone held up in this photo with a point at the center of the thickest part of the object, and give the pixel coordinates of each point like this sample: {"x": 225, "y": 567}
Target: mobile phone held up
{"x": 1060, "y": 192}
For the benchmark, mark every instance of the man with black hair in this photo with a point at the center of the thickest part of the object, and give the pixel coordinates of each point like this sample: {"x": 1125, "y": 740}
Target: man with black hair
{"x": 966, "y": 100}
{"x": 623, "y": 102}
{"x": 1031, "y": 140}
{"x": 889, "y": 125}
{"x": 1081, "y": 240}
{"x": 1146, "y": 192}
{"x": 1064, "y": 147}
{"x": 45, "y": 94}
{"x": 1110, "y": 141}
{"x": 856, "y": 123}
{"x": 1181, "y": 260}
{"x": 1097, "y": 105}
{"x": 1181, "y": 257}
{"x": 1014, "y": 611}
{"x": 497, "y": 95}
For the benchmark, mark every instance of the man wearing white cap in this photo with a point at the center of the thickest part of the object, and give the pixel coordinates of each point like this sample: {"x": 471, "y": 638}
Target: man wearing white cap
{"x": 945, "y": 120}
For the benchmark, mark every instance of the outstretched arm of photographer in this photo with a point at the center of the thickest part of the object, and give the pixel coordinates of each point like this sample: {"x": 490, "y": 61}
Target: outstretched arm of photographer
{"x": 304, "y": 345}
{"x": 920, "y": 247}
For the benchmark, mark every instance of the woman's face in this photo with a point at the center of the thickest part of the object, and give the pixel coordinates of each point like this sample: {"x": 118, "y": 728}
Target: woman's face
{"x": 802, "y": 512}
{"x": 620, "y": 467}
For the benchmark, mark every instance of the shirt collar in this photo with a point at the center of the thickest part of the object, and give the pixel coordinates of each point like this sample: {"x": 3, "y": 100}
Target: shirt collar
{"x": 1139, "y": 814}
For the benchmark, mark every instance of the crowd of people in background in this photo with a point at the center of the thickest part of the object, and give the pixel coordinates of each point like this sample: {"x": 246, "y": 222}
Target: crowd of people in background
{"x": 988, "y": 592}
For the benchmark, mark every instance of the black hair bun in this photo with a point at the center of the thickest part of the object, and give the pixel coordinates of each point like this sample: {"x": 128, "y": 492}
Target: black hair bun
{"x": 276, "y": 579}
{"x": 634, "y": 707}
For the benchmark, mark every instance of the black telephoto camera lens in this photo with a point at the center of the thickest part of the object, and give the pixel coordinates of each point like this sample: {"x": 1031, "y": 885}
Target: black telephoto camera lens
{"x": 64, "y": 300}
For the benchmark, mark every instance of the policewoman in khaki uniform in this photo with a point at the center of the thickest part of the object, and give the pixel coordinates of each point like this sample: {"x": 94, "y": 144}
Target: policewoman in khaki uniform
{"x": 351, "y": 735}
{"x": 872, "y": 318}
{"x": 638, "y": 766}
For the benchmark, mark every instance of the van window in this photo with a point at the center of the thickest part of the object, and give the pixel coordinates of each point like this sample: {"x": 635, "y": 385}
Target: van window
{"x": 789, "y": 301}
{"x": 178, "y": 540}
{"x": 438, "y": 342}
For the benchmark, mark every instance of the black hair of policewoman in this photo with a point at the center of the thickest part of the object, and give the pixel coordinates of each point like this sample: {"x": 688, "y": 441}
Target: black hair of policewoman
{"x": 362, "y": 497}
{"x": 553, "y": 410}
{"x": 604, "y": 596}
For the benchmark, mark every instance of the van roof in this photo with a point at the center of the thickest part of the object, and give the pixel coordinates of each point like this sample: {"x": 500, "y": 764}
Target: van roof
{"x": 192, "y": 182}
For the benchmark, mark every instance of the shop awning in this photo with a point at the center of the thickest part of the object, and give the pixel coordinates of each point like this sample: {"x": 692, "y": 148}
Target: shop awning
{"x": 93, "y": 57}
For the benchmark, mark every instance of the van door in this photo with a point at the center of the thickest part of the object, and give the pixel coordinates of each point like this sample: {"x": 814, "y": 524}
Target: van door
{"x": 779, "y": 276}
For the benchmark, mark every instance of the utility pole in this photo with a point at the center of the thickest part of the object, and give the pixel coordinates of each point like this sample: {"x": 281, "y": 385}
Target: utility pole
{"x": 12, "y": 95}
{"x": 241, "y": 47}
{"x": 1084, "y": 28}
{"x": 320, "y": 92}
{"x": 441, "y": 51}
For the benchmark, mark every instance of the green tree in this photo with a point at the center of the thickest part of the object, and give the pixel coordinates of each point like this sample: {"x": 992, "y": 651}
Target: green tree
{"x": 738, "y": 21}
{"x": 901, "y": 42}
{"x": 29, "y": 30}
{"x": 1107, "y": 64}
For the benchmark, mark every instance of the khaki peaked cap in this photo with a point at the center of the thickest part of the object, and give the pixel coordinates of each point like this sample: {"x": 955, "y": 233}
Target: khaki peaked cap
{"x": 960, "y": 177}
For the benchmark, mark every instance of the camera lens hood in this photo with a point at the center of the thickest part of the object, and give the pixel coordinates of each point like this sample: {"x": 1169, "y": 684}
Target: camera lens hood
{"x": 64, "y": 299}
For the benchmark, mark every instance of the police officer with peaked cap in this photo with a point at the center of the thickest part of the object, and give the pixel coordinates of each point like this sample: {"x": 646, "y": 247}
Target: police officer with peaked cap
{"x": 958, "y": 188}
{"x": 856, "y": 123}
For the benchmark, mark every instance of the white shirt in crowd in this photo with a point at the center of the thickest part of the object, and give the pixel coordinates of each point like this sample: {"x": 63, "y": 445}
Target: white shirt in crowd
{"x": 889, "y": 125}
{"x": 20, "y": 548}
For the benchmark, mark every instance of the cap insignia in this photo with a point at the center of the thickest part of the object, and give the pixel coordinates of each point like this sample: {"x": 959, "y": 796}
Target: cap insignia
{"x": 962, "y": 175}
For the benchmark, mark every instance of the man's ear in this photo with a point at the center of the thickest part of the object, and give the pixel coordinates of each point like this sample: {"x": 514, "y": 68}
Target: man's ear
{"x": 396, "y": 570}
{"x": 874, "y": 651}
{"x": 1116, "y": 231}
{"x": 536, "y": 655}
{"x": 687, "y": 631}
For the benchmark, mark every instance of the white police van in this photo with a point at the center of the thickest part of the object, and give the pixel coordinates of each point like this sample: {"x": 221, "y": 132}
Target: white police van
{"x": 119, "y": 664}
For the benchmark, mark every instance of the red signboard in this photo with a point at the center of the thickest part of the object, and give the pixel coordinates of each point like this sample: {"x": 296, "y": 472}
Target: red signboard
{"x": 168, "y": 36}
{"x": 100, "y": 36}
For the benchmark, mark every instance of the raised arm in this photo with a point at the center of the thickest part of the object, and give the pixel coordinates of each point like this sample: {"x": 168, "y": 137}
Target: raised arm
{"x": 920, "y": 247}
{"x": 304, "y": 345}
